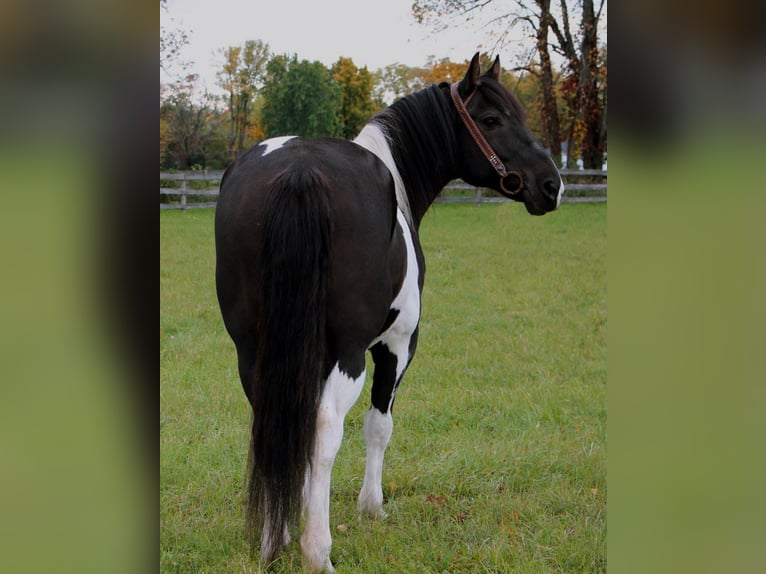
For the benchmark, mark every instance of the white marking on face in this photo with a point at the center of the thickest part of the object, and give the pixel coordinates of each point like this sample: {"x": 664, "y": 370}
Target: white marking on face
{"x": 273, "y": 144}
{"x": 561, "y": 191}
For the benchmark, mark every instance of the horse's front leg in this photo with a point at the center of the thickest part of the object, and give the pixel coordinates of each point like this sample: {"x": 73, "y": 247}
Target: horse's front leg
{"x": 390, "y": 364}
{"x": 340, "y": 393}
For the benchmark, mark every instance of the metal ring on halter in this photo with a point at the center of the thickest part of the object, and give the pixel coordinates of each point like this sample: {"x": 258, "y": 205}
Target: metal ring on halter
{"x": 520, "y": 186}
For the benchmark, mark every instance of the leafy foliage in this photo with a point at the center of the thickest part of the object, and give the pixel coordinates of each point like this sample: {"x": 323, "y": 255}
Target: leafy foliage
{"x": 300, "y": 98}
{"x": 187, "y": 124}
{"x": 241, "y": 75}
{"x": 270, "y": 95}
{"x": 356, "y": 96}
{"x": 445, "y": 70}
{"x": 396, "y": 81}
{"x": 172, "y": 41}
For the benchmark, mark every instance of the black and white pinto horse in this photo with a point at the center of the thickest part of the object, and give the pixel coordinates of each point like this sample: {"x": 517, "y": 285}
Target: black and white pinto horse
{"x": 319, "y": 261}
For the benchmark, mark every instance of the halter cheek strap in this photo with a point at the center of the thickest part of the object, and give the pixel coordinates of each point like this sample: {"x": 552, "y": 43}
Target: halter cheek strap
{"x": 481, "y": 141}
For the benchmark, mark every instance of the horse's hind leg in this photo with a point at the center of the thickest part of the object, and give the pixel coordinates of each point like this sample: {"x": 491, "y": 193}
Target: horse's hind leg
{"x": 340, "y": 393}
{"x": 391, "y": 358}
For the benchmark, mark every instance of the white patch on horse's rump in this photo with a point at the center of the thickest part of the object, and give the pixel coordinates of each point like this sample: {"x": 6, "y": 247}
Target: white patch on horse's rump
{"x": 273, "y": 144}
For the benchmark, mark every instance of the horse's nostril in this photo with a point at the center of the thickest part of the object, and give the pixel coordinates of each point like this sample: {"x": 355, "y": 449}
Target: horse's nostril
{"x": 551, "y": 187}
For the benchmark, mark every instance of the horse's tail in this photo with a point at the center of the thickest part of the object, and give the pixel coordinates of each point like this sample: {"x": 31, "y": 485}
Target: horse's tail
{"x": 291, "y": 360}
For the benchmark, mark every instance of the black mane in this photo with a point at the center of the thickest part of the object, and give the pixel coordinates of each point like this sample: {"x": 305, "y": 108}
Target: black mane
{"x": 420, "y": 129}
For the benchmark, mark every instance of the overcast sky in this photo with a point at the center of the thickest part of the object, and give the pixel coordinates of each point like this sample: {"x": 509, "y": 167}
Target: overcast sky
{"x": 373, "y": 33}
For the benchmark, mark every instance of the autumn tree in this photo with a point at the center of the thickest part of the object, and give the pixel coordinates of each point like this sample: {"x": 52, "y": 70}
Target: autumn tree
{"x": 526, "y": 87}
{"x": 395, "y": 81}
{"x": 185, "y": 126}
{"x": 166, "y": 136}
{"x": 172, "y": 41}
{"x": 444, "y": 70}
{"x": 300, "y": 98}
{"x": 592, "y": 111}
{"x": 242, "y": 75}
{"x": 357, "y": 105}
{"x": 550, "y": 112}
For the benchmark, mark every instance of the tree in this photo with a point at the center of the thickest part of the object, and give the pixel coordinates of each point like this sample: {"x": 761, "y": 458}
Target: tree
{"x": 550, "y": 113}
{"x": 172, "y": 40}
{"x": 300, "y": 98}
{"x": 185, "y": 124}
{"x": 584, "y": 86}
{"x": 394, "y": 82}
{"x": 241, "y": 76}
{"x": 397, "y": 80}
{"x": 591, "y": 109}
{"x": 443, "y": 70}
{"x": 356, "y": 96}
{"x": 526, "y": 87}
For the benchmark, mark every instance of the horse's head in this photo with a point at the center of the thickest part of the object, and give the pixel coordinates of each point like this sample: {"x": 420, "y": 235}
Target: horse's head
{"x": 497, "y": 150}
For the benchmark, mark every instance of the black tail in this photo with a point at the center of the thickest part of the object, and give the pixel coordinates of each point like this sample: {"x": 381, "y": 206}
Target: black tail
{"x": 291, "y": 359}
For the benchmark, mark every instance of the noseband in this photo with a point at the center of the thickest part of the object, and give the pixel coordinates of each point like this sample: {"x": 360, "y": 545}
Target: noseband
{"x": 480, "y": 140}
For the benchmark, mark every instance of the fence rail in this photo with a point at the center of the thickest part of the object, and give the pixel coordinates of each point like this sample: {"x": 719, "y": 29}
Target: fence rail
{"x": 184, "y": 191}
{"x": 457, "y": 191}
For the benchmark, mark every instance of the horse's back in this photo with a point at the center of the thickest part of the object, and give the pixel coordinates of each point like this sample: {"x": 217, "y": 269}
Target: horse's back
{"x": 358, "y": 184}
{"x": 359, "y": 191}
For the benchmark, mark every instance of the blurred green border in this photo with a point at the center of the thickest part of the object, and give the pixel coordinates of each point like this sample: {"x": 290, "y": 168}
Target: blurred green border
{"x": 686, "y": 369}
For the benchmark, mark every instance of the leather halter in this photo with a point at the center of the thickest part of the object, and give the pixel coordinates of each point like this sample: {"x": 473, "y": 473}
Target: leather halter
{"x": 481, "y": 141}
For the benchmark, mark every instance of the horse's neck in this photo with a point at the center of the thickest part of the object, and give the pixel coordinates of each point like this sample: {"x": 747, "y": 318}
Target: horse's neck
{"x": 413, "y": 207}
{"x": 373, "y": 139}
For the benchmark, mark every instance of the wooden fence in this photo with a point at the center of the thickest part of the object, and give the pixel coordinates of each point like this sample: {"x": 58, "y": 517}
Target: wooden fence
{"x": 582, "y": 185}
{"x": 184, "y": 189}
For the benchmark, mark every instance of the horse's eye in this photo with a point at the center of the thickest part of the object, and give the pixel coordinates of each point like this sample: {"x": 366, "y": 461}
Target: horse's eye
{"x": 490, "y": 121}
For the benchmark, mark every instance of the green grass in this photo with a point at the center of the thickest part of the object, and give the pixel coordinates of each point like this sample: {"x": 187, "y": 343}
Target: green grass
{"x": 498, "y": 458}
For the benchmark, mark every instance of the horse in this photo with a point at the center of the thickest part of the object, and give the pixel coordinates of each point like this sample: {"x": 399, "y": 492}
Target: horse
{"x": 318, "y": 261}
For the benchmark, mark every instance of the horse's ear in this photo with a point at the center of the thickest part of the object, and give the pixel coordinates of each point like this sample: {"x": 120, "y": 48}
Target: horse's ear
{"x": 468, "y": 83}
{"x": 494, "y": 71}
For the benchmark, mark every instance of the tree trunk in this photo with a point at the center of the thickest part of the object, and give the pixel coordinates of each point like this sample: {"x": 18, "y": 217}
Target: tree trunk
{"x": 592, "y": 145}
{"x": 571, "y": 148}
{"x": 551, "y": 125}
{"x": 243, "y": 117}
{"x": 232, "y": 126}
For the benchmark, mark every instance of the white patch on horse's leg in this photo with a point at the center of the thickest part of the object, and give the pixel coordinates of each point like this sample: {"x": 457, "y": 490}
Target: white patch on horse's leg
{"x": 378, "y": 428}
{"x": 339, "y": 395}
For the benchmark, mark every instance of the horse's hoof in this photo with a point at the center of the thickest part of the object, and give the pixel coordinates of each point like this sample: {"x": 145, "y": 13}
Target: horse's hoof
{"x": 376, "y": 513}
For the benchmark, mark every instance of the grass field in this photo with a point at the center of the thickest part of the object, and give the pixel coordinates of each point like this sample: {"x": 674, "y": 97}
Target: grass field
{"x": 498, "y": 458}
